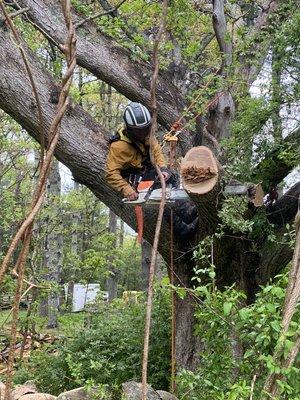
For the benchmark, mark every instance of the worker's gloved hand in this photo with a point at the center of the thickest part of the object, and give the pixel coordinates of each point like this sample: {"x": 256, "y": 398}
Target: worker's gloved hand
{"x": 132, "y": 196}
{"x": 166, "y": 175}
{"x": 171, "y": 177}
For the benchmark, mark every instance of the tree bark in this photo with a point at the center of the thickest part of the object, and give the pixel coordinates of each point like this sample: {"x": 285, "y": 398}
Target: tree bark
{"x": 107, "y": 60}
{"x": 222, "y": 111}
{"x": 145, "y": 264}
{"x": 54, "y": 255}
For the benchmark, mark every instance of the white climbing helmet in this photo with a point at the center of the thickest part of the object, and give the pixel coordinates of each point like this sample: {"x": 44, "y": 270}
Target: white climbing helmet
{"x": 137, "y": 116}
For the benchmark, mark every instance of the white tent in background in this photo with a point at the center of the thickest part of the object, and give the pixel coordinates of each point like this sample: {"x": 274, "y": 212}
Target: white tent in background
{"x": 85, "y": 294}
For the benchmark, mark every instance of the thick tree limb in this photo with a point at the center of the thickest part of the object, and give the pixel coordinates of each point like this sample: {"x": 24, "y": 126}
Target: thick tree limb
{"x": 83, "y": 143}
{"x": 108, "y": 61}
{"x": 221, "y": 113}
{"x": 220, "y": 28}
{"x": 200, "y": 172}
{"x": 249, "y": 69}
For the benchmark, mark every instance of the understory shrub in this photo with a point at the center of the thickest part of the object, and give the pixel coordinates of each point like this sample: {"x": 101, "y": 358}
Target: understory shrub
{"x": 108, "y": 351}
{"x": 238, "y": 342}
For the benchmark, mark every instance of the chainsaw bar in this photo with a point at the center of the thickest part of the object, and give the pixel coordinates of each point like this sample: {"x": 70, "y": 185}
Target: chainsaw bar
{"x": 172, "y": 195}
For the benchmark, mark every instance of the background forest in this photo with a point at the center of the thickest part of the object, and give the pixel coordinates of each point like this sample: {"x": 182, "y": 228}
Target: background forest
{"x": 235, "y": 316}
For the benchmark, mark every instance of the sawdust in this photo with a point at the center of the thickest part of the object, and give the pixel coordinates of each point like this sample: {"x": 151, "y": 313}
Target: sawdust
{"x": 195, "y": 174}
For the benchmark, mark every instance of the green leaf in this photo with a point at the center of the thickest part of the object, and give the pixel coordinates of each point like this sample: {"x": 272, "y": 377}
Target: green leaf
{"x": 276, "y": 325}
{"x": 212, "y": 274}
{"x": 227, "y": 306}
{"x": 244, "y": 314}
{"x": 181, "y": 292}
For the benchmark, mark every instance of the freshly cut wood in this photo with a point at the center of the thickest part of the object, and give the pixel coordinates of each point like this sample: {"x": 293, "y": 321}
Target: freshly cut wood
{"x": 200, "y": 173}
{"x": 199, "y": 170}
{"x": 195, "y": 174}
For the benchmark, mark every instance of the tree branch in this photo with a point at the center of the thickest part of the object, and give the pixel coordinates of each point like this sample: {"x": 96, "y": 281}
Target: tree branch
{"x": 101, "y": 14}
{"x": 220, "y": 28}
{"x": 109, "y": 61}
{"x": 250, "y": 69}
{"x": 274, "y": 168}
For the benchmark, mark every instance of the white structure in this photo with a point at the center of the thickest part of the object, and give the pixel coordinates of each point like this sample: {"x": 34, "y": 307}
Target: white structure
{"x": 84, "y": 294}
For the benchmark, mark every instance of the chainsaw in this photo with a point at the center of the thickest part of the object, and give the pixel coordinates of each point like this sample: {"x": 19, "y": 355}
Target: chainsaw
{"x": 153, "y": 196}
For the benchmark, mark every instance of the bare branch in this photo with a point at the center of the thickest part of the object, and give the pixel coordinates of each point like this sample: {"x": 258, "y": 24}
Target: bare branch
{"x": 220, "y": 28}
{"x": 19, "y": 12}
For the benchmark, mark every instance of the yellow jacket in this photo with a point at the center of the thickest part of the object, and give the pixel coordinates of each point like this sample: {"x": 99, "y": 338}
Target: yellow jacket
{"x": 122, "y": 155}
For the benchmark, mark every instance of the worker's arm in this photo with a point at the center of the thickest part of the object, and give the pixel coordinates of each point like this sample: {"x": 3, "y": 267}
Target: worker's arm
{"x": 118, "y": 159}
{"x": 159, "y": 160}
{"x": 158, "y": 156}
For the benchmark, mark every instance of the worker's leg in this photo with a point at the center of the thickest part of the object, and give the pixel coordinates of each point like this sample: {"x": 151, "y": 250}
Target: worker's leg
{"x": 185, "y": 219}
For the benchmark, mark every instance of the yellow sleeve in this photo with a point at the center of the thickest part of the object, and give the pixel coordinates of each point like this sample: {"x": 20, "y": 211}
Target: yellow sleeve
{"x": 159, "y": 158}
{"x": 118, "y": 158}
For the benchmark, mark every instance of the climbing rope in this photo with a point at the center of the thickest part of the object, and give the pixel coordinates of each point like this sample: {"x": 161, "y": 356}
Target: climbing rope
{"x": 172, "y": 138}
{"x": 162, "y": 202}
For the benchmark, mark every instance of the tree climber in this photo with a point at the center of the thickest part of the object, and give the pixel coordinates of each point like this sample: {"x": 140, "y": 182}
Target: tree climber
{"x": 128, "y": 161}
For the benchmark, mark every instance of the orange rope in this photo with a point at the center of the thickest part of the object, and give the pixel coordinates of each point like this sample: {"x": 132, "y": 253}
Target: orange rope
{"x": 140, "y": 222}
{"x": 173, "y": 317}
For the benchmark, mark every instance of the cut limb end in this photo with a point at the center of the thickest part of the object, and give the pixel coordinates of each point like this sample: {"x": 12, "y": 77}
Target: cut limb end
{"x": 200, "y": 171}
